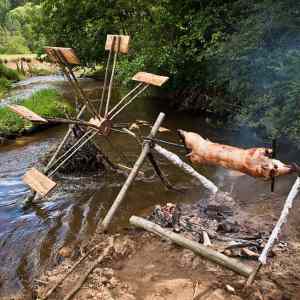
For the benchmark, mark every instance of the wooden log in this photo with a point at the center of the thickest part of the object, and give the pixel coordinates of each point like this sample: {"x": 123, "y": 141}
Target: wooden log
{"x": 132, "y": 175}
{"x": 173, "y": 158}
{"x": 203, "y": 251}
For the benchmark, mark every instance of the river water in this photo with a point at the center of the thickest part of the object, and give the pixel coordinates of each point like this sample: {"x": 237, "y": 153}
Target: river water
{"x": 31, "y": 237}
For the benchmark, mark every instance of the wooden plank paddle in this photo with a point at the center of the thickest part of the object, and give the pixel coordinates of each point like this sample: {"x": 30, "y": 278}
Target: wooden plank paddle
{"x": 124, "y": 43}
{"x": 26, "y": 113}
{"x": 38, "y": 181}
{"x": 68, "y": 54}
{"x": 149, "y": 78}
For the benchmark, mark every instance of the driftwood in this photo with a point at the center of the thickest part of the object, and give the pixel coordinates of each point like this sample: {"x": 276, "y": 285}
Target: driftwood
{"x": 173, "y": 158}
{"x": 82, "y": 280}
{"x": 203, "y": 251}
{"x": 255, "y": 162}
{"x": 133, "y": 173}
{"x": 274, "y": 235}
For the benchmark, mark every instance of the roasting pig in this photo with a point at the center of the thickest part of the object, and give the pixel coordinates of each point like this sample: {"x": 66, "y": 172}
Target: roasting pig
{"x": 255, "y": 162}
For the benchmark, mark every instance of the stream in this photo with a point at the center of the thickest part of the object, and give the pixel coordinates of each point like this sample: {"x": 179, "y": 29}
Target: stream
{"x": 31, "y": 238}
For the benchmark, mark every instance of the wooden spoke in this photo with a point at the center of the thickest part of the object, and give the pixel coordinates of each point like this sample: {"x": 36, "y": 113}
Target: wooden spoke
{"x": 26, "y": 113}
{"x": 38, "y": 182}
{"x": 149, "y": 78}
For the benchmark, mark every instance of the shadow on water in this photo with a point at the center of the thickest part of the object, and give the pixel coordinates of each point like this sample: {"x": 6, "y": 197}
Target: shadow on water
{"x": 30, "y": 238}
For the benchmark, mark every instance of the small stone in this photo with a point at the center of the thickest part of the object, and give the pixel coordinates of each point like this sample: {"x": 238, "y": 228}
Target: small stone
{"x": 230, "y": 288}
{"x": 108, "y": 272}
{"x": 65, "y": 252}
{"x": 187, "y": 258}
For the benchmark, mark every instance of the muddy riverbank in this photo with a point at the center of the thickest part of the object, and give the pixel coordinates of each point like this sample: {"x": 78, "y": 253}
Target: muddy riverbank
{"x": 32, "y": 238}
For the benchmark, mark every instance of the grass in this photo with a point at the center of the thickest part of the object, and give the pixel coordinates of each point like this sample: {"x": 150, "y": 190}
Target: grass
{"x": 5, "y": 84}
{"x": 7, "y": 75}
{"x": 13, "y": 57}
{"x": 47, "y": 103}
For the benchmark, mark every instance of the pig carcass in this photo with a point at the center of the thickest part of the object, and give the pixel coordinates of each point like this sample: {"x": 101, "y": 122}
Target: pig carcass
{"x": 255, "y": 162}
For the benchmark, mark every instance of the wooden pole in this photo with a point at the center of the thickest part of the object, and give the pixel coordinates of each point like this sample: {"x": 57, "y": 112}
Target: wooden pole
{"x": 132, "y": 175}
{"x": 276, "y": 230}
{"x": 173, "y": 158}
{"x": 203, "y": 251}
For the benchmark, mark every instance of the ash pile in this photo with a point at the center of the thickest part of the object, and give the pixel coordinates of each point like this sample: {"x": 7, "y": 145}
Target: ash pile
{"x": 215, "y": 223}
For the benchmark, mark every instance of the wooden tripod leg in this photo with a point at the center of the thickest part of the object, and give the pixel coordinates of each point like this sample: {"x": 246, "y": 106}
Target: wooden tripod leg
{"x": 146, "y": 149}
{"x": 159, "y": 173}
{"x": 252, "y": 276}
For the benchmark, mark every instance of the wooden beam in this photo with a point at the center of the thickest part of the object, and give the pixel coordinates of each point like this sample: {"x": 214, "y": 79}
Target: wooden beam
{"x": 124, "y": 43}
{"x": 146, "y": 149}
{"x": 149, "y": 78}
{"x": 38, "y": 181}
{"x": 26, "y": 113}
{"x": 203, "y": 251}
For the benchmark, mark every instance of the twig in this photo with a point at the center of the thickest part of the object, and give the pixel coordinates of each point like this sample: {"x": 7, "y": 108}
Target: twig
{"x": 81, "y": 281}
{"x": 195, "y": 294}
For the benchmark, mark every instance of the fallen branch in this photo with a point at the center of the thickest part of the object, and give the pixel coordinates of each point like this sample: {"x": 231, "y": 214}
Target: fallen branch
{"x": 203, "y": 251}
{"x": 49, "y": 293}
{"x": 173, "y": 158}
{"x": 82, "y": 280}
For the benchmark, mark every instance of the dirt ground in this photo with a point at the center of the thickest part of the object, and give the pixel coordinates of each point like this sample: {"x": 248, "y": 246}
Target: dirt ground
{"x": 143, "y": 266}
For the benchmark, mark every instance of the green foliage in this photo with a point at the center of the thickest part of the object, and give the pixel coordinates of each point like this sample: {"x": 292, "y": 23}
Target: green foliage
{"x": 8, "y": 73}
{"x": 24, "y": 20}
{"x": 233, "y": 58}
{"x": 47, "y": 103}
{"x": 4, "y": 86}
{"x": 12, "y": 42}
{"x": 19, "y": 31}
{"x": 4, "y": 8}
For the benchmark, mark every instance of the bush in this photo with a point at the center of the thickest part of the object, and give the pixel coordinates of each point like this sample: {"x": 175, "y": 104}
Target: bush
{"x": 12, "y": 42}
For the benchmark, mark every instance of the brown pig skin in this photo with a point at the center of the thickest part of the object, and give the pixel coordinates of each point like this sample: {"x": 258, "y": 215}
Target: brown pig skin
{"x": 254, "y": 161}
